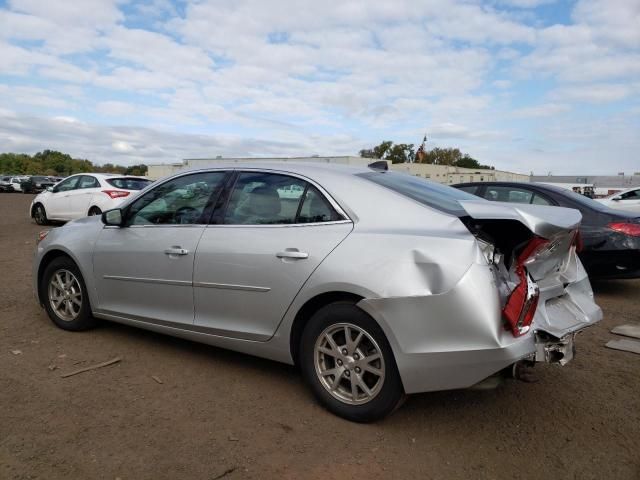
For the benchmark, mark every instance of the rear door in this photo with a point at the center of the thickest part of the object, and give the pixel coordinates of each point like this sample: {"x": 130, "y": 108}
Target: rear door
{"x": 144, "y": 270}
{"x": 250, "y": 264}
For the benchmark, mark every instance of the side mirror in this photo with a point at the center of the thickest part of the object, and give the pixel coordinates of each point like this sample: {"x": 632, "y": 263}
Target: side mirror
{"x": 112, "y": 217}
{"x": 49, "y": 189}
{"x": 616, "y": 199}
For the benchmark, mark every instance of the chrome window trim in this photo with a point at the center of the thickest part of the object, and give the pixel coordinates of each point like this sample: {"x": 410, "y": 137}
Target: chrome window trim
{"x": 279, "y": 225}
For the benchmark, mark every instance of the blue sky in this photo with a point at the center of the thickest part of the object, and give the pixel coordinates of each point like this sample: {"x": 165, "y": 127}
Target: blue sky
{"x": 525, "y": 85}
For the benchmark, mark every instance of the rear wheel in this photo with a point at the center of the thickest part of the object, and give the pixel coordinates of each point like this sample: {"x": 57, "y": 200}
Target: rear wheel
{"x": 94, "y": 211}
{"x": 65, "y": 296}
{"x": 348, "y": 363}
{"x": 40, "y": 215}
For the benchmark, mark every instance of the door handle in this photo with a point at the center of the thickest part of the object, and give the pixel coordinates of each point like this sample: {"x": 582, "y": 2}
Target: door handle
{"x": 292, "y": 253}
{"x": 176, "y": 251}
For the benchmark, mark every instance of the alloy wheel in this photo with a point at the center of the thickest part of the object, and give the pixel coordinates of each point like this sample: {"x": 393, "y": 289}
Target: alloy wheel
{"x": 65, "y": 295}
{"x": 349, "y": 363}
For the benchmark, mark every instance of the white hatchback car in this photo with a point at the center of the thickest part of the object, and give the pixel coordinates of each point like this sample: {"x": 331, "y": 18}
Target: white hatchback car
{"x": 84, "y": 194}
{"x": 628, "y": 200}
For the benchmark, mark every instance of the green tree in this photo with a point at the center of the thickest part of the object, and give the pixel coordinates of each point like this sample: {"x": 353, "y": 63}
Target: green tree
{"x": 387, "y": 150}
{"x": 52, "y": 162}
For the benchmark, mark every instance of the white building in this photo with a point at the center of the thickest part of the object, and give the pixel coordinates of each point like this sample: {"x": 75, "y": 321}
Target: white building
{"x": 437, "y": 173}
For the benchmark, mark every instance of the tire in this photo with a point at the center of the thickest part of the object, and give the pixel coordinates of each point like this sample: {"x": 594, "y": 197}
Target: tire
{"x": 94, "y": 211}
{"x": 40, "y": 214}
{"x": 369, "y": 363}
{"x": 64, "y": 295}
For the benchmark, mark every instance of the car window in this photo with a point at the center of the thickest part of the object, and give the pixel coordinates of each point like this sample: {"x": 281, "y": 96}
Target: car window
{"x": 432, "y": 194}
{"x": 472, "y": 189}
{"x": 315, "y": 208}
{"x": 87, "y": 181}
{"x": 507, "y": 194}
{"x": 67, "y": 184}
{"x": 632, "y": 195}
{"x": 539, "y": 200}
{"x": 180, "y": 201}
{"x": 260, "y": 198}
{"x": 129, "y": 183}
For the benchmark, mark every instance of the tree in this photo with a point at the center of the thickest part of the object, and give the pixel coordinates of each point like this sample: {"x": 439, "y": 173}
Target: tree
{"x": 404, "y": 152}
{"x": 52, "y": 162}
{"x": 398, "y": 153}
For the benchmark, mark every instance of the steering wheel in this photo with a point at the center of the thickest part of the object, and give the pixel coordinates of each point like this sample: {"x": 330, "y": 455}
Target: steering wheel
{"x": 185, "y": 215}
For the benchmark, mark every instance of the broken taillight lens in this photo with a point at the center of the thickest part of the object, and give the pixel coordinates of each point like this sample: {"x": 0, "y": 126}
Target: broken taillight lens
{"x": 523, "y": 300}
{"x": 116, "y": 193}
{"x": 632, "y": 229}
{"x": 577, "y": 241}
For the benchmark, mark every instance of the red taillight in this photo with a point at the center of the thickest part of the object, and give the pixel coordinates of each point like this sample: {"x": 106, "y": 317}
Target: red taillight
{"x": 523, "y": 300}
{"x": 632, "y": 229}
{"x": 577, "y": 241}
{"x": 116, "y": 193}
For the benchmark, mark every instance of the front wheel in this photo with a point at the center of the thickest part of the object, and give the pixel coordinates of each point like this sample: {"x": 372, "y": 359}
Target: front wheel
{"x": 349, "y": 365}
{"x": 64, "y": 295}
{"x": 40, "y": 215}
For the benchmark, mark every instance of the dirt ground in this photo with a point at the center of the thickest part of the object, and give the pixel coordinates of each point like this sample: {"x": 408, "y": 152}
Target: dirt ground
{"x": 219, "y": 414}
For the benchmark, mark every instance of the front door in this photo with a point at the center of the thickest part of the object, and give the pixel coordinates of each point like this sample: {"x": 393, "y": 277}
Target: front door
{"x": 249, "y": 267}
{"x": 144, "y": 270}
{"x": 57, "y": 204}
{"x": 80, "y": 197}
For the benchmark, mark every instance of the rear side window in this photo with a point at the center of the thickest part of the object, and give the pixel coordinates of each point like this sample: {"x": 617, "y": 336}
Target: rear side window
{"x": 129, "y": 183}
{"x": 508, "y": 194}
{"x": 472, "y": 189}
{"x": 261, "y": 198}
{"x": 87, "y": 181}
{"x": 434, "y": 195}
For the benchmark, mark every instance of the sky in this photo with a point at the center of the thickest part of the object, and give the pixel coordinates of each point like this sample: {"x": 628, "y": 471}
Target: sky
{"x": 524, "y": 85}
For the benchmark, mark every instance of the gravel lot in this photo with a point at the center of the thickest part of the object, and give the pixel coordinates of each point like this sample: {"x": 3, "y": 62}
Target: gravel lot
{"x": 219, "y": 414}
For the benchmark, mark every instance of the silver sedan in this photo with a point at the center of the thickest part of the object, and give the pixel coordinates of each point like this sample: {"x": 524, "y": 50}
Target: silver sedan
{"x": 376, "y": 284}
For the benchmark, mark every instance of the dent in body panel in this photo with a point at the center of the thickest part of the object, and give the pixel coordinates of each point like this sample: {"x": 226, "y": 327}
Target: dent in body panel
{"x": 449, "y": 340}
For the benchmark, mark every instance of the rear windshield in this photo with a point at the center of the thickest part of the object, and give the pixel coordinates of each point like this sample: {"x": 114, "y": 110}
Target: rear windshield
{"x": 129, "y": 183}
{"x": 434, "y": 195}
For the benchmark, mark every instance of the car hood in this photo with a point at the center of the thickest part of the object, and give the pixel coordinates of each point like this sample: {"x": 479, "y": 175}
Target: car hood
{"x": 544, "y": 221}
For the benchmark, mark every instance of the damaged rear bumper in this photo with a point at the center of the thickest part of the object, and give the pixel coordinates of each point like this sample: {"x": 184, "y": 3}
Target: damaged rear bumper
{"x": 457, "y": 338}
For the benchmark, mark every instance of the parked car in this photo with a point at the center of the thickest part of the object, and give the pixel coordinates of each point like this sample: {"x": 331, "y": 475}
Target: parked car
{"x": 15, "y": 183}
{"x": 628, "y": 200}
{"x": 84, "y": 194}
{"x": 37, "y": 184}
{"x": 5, "y": 184}
{"x": 610, "y": 238}
{"x": 376, "y": 284}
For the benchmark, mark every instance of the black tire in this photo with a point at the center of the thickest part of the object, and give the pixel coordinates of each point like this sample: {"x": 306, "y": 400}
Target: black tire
{"x": 40, "y": 214}
{"x": 83, "y": 320}
{"x": 94, "y": 211}
{"x": 389, "y": 395}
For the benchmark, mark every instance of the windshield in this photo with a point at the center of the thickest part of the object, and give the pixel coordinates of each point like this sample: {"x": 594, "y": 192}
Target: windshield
{"x": 434, "y": 195}
{"x": 129, "y": 183}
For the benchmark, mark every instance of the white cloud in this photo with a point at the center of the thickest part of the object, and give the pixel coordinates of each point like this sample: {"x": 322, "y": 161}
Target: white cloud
{"x": 299, "y": 77}
{"x": 544, "y": 110}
